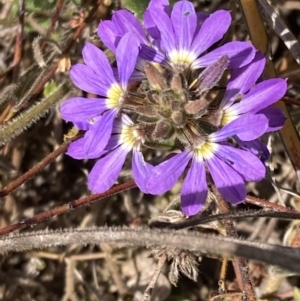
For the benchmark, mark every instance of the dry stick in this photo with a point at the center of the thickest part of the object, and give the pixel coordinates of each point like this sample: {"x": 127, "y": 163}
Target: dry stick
{"x": 34, "y": 170}
{"x": 285, "y": 257}
{"x": 113, "y": 269}
{"x": 76, "y": 35}
{"x": 19, "y": 38}
{"x": 55, "y": 17}
{"x": 48, "y": 76}
{"x": 292, "y": 101}
{"x": 284, "y": 212}
{"x": 38, "y": 218}
{"x": 35, "y": 92}
{"x": 265, "y": 204}
{"x": 240, "y": 264}
{"x": 17, "y": 54}
{"x": 288, "y": 133}
{"x": 149, "y": 290}
{"x": 204, "y": 219}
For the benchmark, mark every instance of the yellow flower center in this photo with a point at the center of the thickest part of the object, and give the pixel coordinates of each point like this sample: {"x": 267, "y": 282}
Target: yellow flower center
{"x": 114, "y": 96}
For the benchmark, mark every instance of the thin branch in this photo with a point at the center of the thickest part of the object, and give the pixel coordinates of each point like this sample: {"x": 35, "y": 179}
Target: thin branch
{"x": 292, "y": 101}
{"x": 55, "y": 17}
{"x": 41, "y": 217}
{"x": 199, "y": 219}
{"x": 19, "y": 38}
{"x": 266, "y": 204}
{"x": 76, "y": 35}
{"x": 257, "y": 31}
{"x": 240, "y": 265}
{"x": 149, "y": 290}
{"x": 285, "y": 257}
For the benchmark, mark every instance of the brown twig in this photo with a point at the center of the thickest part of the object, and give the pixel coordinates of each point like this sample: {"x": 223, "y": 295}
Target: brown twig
{"x": 159, "y": 266}
{"x": 55, "y": 17}
{"x": 292, "y": 101}
{"x": 265, "y": 204}
{"x": 34, "y": 170}
{"x": 285, "y": 257}
{"x": 76, "y": 35}
{"x": 259, "y": 38}
{"x": 235, "y": 215}
{"x": 18, "y": 45}
{"x": 240, "y": 264}
{"x": 41, "y": 217}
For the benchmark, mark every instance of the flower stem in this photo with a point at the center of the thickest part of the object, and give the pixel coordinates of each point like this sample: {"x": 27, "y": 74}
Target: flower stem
{"x": 240, "y": 265}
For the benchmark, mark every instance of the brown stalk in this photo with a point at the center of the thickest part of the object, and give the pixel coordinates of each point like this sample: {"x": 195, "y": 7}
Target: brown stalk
{"x": 76, "y": 35}
{"x": 18, "y": 44}
{"x": 55, "y": 17}
{"x": 292, "y": 101}
{"x": 41, "y": 217}
{"x": 240, "y": 265}
{"x": 34, "y": 170}
{"x": 266, "y": 204}
{"x": 288, "y": 133}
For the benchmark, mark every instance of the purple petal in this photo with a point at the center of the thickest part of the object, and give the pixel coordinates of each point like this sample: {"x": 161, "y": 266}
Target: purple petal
{"x": 247, "y": 127}
{"x": 127, "y": 22}
{"x": 76, "y": 149}
{"x": 239, "y": 53}
{"x": 126, "y": 54}
{"x": 80, "y": 109}
{"x": 244, "y": 162}
{"x": 108, "y": 33}
{"x": 256, "y": 147}
{"x": 98, "y": 135}
{"x": 113, "y": 142}
{"x": 149, "y": 24}
{"x": 141, "y": 171}
{"x": 106, "y": 171}
{"x": 82, "y": 125}
{"x": 164, "y": 25}
{"x": 194, "y": 189}
{"x": 87, "y": 80}
{"x": 201, "y": 17}
{"x": 243, "y": 79}
{"x": 261, "y": 96}
{"x": 150, "y": 54}
{"x": 184, "y": 20}
{"x": 229, "y": 183}
{"x": 98, "y": 62}
{"x": 165, "y": 175}
{"x": 276, "y": 118}
{"x": 161, "y": 4}
{"x": 211, "y": 31}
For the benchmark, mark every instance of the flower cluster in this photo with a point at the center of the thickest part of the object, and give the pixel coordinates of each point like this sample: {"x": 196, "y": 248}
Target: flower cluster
{"x": 164, "y": 94}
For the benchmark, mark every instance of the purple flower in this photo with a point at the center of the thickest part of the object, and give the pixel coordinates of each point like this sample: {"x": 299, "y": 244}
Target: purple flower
{"x": 96, "y": 115}
{"x": 180, "y": 36}
{"x": 124, "y": 138}
{"x": 228, "y": 166}
{"x": 168, "y": 107}
{"x": 253, "y": 99}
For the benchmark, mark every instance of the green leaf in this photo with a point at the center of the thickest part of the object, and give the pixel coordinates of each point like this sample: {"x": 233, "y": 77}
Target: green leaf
{"x": 138, "y": 7}
{"x": 43, "y": 5}
{"x": 50, "y": 88}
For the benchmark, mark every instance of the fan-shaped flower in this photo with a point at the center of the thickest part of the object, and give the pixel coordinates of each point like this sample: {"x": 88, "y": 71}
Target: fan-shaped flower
{"x": 168, "y": 107}
{"x": 180, "y": 36}
{"x": 96, "y": 115}
{"x": 228, "y": 166}
{"x": 253, "y": 99}
{"x": 124, "y": 138}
